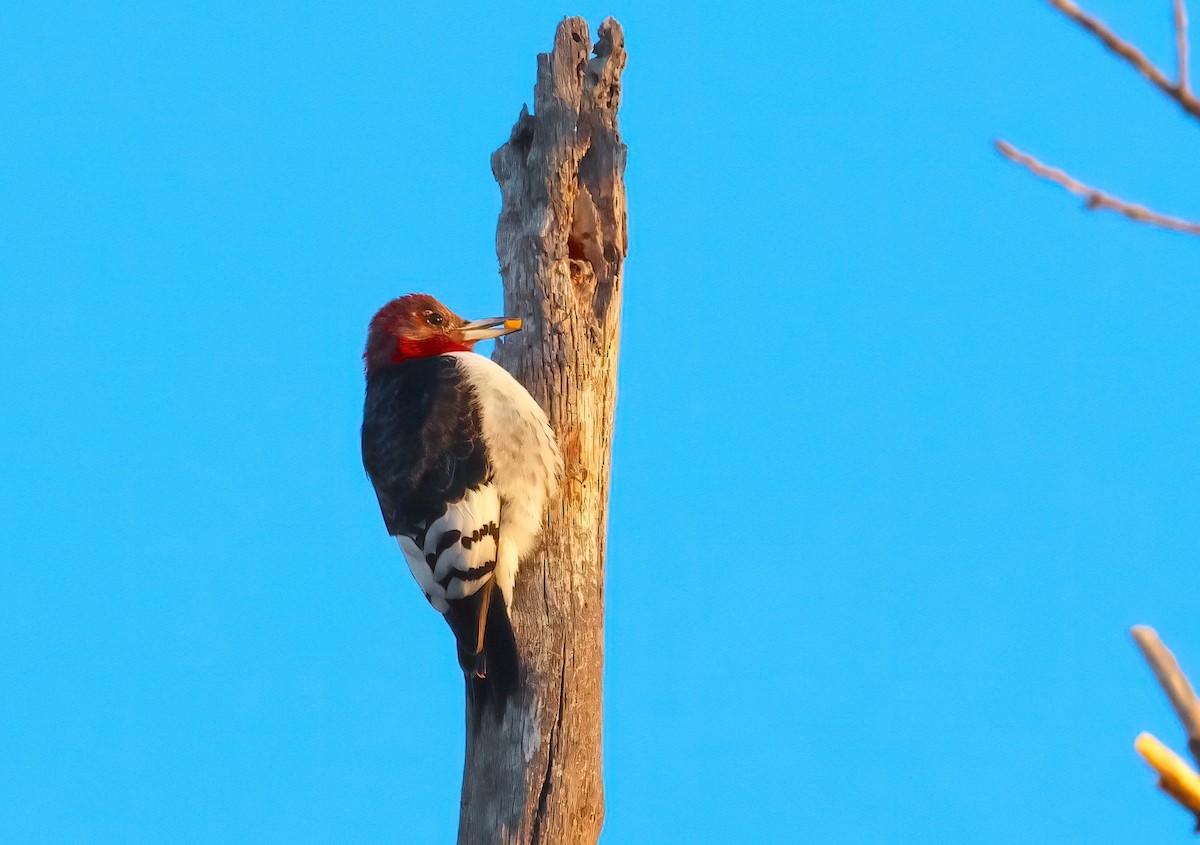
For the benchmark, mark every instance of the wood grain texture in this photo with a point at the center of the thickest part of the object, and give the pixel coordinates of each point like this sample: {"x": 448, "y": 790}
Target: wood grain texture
{"x": 533, "y": 775}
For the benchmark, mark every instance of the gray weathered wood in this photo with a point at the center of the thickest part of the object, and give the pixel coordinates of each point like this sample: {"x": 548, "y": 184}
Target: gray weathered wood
{"x": 534, "y": 775}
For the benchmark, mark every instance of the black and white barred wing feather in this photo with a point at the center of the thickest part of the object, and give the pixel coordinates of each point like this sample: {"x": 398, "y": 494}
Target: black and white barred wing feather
{"x": 455, "y": 556}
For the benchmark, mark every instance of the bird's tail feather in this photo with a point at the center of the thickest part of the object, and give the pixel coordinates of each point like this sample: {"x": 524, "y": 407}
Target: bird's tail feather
{"x": 492, "y": 673}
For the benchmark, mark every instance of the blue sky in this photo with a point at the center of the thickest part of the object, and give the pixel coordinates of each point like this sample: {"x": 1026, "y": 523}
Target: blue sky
{"x": 906, "y": 440}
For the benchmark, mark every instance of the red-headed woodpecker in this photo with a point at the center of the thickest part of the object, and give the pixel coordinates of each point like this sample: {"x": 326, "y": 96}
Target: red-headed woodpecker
{"x": 463, "y": 462}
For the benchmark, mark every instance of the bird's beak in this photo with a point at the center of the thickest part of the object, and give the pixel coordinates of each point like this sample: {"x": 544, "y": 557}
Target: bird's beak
{"x": 477, "y": 330}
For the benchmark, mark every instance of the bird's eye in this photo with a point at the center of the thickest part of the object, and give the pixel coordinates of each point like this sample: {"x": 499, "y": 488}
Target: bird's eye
{"x": 433, "y": 318}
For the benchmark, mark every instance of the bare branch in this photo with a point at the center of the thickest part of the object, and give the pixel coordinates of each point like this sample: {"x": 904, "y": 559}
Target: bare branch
{"x": 1181, "y": 45}
{"x": 1173, "y": 682}
{"x": 532, "y": 772}
{"x": 1176, "y": 91}
{"x": 1094, "y": 198}
{"x": 1175, "y": 777}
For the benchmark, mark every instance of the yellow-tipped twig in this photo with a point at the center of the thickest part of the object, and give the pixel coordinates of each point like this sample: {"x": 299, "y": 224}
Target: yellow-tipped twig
{"x": 1175, "y": 777}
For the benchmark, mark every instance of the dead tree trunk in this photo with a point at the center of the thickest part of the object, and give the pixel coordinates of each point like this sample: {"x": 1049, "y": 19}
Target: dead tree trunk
{"x": 534, "y": 774}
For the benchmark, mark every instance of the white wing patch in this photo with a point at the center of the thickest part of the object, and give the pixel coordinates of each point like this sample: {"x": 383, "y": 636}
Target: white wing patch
{"x": 459, "y": 552}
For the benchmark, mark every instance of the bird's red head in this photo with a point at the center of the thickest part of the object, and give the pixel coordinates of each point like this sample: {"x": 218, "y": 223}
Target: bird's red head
{"x": 418, "y": 326}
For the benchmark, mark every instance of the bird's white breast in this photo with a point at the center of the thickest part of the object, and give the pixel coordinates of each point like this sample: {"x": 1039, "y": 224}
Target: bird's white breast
{"x": 523, "y": 455}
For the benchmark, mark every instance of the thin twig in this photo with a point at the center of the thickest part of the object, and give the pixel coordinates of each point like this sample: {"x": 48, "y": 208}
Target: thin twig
{"x": 1175, "y": 777}
{"x": 1173, "y": 682}
{"x": 1094, "y": 198}
{"x": 1181, "y": 45}
{"x": 1176, "y": 91}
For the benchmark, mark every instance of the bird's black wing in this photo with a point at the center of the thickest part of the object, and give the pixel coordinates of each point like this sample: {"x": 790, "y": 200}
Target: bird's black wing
{"x": 423, "y": 448}
{"x": 422, "y": 441}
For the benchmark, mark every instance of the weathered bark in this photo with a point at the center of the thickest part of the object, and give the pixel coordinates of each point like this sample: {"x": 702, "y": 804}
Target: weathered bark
{"x": 534, "y": 774}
